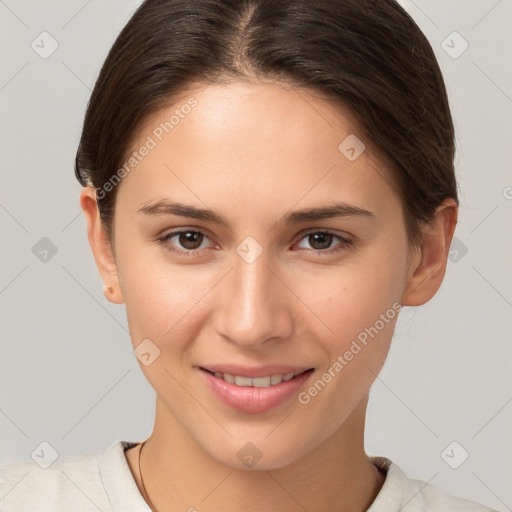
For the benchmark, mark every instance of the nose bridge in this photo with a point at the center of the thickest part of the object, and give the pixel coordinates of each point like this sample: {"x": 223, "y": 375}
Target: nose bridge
{"x": 252, "y": 282}
{"x": 253, "y": 308}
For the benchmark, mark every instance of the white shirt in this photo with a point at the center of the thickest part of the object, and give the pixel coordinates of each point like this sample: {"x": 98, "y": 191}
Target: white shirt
{"x": 102, "y": 481}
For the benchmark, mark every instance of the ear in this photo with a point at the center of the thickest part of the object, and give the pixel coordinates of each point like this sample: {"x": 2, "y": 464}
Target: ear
{"x": 428, "y": 265}
{"x": 101, "y": 246}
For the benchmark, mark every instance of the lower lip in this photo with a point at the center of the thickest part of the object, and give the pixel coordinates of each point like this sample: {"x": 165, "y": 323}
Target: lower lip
{"x": 252, "y": 399}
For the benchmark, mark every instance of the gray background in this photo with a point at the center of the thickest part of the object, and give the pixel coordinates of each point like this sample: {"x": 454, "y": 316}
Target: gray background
{"x": 68, "y": 375}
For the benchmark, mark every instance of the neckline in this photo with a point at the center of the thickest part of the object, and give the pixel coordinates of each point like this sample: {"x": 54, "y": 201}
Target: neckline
{"x": 125, "y": 496}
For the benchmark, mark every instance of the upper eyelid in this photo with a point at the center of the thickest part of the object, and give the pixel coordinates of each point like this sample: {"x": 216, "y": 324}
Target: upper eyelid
{"x": 177, "y": 231}
{"x": 326, "y": 230}
{"x": 347, "y": 240}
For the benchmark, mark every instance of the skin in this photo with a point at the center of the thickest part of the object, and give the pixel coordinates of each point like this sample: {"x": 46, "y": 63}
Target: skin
{"x": 253, "y": 153}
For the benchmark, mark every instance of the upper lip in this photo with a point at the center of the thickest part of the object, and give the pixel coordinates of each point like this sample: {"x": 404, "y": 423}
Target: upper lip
{"x": 255, "y": 371}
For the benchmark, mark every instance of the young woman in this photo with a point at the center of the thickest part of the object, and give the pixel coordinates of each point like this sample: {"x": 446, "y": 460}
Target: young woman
{"x": 266, "y": 184}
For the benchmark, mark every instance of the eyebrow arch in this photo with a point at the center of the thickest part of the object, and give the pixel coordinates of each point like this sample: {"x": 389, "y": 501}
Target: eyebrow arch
{"x": 167, "y": 207}
{"x": 334, "y": 210}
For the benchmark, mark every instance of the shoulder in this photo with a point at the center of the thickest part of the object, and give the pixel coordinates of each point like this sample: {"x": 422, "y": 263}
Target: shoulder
{"x": 400, "y": 492}
{"x": 70, "y": 483}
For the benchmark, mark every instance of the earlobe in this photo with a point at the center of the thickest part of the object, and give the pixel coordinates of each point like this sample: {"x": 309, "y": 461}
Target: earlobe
{"x": 428, "y": 266}
{"x": 101, "y": 246}
{"x": 109, "y": 291}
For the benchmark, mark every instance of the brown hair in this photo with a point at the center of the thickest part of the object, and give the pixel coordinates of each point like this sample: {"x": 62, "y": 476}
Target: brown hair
{"x": 368, "y": 55}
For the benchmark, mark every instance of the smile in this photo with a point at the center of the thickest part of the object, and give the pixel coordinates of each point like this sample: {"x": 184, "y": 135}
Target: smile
{"x": 256, "y": 394}
{"x": 257, "y": 382}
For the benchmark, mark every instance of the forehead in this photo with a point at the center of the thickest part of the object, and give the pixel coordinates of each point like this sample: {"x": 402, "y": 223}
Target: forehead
{"x": 267, "y": 143}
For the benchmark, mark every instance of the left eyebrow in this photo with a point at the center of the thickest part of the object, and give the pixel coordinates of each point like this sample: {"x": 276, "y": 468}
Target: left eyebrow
{"x": 334, "y": 210}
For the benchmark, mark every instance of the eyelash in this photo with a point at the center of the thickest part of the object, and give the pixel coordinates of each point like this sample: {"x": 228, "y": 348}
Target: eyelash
{"x": 345, "y": 243}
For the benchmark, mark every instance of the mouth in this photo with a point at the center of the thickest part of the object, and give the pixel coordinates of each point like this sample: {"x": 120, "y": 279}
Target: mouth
{"x": 255, "y": 394}
{"x": 257, "y": 382}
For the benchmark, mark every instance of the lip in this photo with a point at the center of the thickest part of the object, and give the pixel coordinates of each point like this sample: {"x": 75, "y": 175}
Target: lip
{"x": 254, "y": 400}
{"x": 255, "y": 371}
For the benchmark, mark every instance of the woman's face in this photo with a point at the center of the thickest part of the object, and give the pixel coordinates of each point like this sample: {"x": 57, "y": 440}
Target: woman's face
{"x": 259, "y": 283}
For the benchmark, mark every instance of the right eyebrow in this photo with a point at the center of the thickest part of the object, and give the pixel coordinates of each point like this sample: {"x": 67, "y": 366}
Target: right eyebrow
{"x": 167, "y": 207}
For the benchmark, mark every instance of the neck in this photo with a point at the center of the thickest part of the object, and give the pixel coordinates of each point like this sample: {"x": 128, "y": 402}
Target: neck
{"x": 335, "y": 476}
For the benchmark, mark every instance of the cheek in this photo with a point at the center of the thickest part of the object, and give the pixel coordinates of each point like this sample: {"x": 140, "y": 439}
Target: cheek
{"x": 353, "y": 296}
{"x": 360, "y": 304}
{"x": 159, "y": 295}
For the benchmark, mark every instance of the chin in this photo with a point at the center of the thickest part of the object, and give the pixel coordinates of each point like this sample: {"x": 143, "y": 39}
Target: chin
{"x": 260, "y": 454}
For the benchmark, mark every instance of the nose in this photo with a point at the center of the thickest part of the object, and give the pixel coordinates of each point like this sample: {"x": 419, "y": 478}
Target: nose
{"x": 253, "y": 304}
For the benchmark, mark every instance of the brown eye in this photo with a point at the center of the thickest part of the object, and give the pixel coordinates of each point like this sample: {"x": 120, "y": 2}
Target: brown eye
{"x": 323, "y": 242}
{"x": 186, "y": 242}
{"x": 190, "y": 239}
{"x": 320, "y": 241}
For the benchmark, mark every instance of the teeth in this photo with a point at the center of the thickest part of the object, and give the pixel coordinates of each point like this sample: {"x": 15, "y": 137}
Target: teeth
{"x": 243, "y": 381}
{"x": 276, "y": 379}
{"x": 227, "y": 377}
{"x": 261, "y": 382}
{"x": 257, "y": 382}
